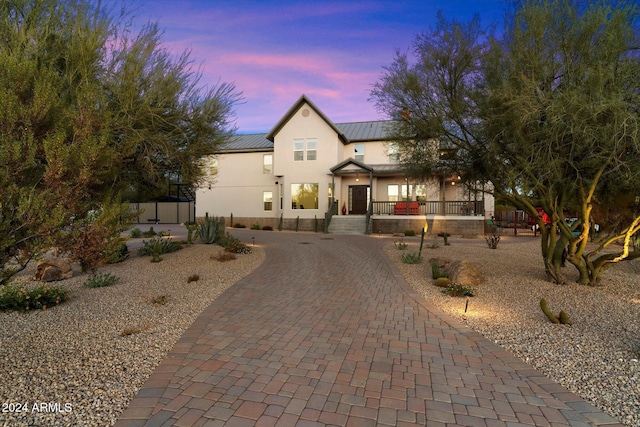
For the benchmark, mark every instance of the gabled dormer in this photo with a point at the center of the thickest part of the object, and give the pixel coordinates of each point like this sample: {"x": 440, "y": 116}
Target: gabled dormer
{"x": 306, "y": 141}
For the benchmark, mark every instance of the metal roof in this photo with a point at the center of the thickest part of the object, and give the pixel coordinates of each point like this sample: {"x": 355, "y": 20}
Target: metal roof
{"x": 366, "y": 131}
{"x": 252, "y": 142}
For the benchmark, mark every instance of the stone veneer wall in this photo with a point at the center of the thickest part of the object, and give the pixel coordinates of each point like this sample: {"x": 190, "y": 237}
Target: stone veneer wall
{"x": 463, "y": 225}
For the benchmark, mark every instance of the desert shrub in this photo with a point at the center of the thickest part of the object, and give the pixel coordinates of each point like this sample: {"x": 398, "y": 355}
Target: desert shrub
{"x": 409, "y": 233}
{"x": 100, "y": 280}
{"x": 158, "y": 246}
{"x": 411, "y": 258}
{"x": 161, "y": 300}
{"x": 256, "y": 226}
{"x": 114, "y": 255}
{"x": 267, "y": 227}
{"x": 238, "y": 225}
{"x": 400, "y": 245}
{"x": 18, "y": 298}
{"x": 442, "y": 282}
{"x": 135, "y": 233}
{"x": 492, "y": 240}
{"x": 130, "y": 331}
{"x": 149, "y": 233}
{"x": 458, "y": 290}
{"x": 224, "y": 256}
{"x": 237, "y": 247}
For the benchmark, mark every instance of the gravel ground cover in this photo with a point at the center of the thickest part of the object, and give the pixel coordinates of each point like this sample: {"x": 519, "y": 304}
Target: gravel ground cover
{"x": 81, "y": 363}
{"x": 597, "y": 357}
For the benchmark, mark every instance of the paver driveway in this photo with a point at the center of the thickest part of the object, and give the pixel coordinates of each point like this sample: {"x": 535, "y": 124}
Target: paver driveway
{"x": 327, "y": 332}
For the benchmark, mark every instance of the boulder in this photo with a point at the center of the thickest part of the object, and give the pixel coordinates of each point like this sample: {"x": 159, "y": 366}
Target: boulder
{"x": 53, "y": 269}
{"x": 465, "y": 273}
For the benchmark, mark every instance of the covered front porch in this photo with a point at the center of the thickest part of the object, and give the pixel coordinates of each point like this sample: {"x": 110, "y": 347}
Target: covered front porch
{"x": 390, "y": 203}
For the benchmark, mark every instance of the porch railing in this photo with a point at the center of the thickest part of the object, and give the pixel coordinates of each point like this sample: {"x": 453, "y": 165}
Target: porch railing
{"x": 333, "y": 209}
{"x": 367, "y": 227}
{"x": 456, "y": 207}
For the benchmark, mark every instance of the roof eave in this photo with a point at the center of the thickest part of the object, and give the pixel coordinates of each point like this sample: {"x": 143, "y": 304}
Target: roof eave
{"x": 294, "y": 108}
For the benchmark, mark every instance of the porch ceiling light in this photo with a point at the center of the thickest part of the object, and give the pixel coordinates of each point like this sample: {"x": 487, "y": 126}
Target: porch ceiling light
{"x": 357, "y": 177}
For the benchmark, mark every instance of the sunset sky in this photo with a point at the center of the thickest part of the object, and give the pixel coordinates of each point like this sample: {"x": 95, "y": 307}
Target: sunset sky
{"x": 274, "y": 51}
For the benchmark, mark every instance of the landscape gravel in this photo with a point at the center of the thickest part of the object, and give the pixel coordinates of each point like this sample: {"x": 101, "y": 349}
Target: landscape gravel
{"x": 596, "y": 357}
{"x": 82, "y": 362}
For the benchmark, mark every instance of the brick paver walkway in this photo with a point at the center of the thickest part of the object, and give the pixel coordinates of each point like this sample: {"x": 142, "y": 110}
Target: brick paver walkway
{"x": 327, "y": 332}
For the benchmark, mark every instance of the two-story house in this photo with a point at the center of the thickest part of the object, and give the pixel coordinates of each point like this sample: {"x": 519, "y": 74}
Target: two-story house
{"x": 309, "y": 172}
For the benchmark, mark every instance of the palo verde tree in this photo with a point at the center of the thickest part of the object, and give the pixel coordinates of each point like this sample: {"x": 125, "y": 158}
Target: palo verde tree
{"x": 85, "y": 115}
{"x": 547, "y": 113}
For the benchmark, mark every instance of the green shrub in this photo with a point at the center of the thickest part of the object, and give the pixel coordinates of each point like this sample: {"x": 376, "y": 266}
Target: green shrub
{"x": 18, "y": 298}
{"x": 158, "y": 246}
{"x": 135, "y": 233}
{"x": 238, "y": 225}
{"x": 400, "y": 245}
{"x": 256, "y": 226}
{"x": 149, "y": 233}
{"x": 117, "y": 254}
{"x": 411, "y": 258}
{"x": 458, "y": 290}
{"x": 409, "y": 233}
{"x": 100, "y": 280}
{"x": 442, "y": 282}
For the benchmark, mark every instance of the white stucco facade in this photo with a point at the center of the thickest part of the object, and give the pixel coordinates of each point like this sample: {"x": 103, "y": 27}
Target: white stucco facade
{"x": 306, "y": 161}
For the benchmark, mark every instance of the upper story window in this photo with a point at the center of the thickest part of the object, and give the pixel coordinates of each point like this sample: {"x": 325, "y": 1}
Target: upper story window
{"x": 311, "y": 149}
{"x": 267, "y": 164}
{"x": 212, "y": 166}
{"x": 392, "y": 150}
{"x": 298, "y": 150}
{"x": 359, "y": 152}
{"x": 302, "y": 147}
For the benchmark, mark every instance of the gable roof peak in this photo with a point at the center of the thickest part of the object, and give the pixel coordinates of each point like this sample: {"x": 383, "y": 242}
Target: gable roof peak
{"x": 294, "y": 108}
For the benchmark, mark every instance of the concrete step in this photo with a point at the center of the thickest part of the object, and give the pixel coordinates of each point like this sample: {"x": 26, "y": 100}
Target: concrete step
{"x": 352, "y": 224}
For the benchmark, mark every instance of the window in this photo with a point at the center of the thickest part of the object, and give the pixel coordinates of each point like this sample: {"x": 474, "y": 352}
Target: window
{"x": 304, "y": 196}
{"x": 298, "y": 150}
{"x": 393, "y": 153}
{"x": 267, "y": 200}
{"x": 406, "y": 195}
{"x": 311, "y": 149}
{"x": 392, "y": 192}
{"x": 267, "y": 164}
{"x": 212, "y": 166}
{"x": 300, "y": 146}
{"x": 359, "y": 152}
{"x": 421, "y": 192}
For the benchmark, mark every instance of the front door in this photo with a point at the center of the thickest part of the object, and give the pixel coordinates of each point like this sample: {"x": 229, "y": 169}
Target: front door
{"x": 358, "y": 199}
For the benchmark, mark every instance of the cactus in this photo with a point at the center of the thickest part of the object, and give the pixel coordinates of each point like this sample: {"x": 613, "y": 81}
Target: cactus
{"x": 435, "y": 271}
{"x": 562, "y": 318}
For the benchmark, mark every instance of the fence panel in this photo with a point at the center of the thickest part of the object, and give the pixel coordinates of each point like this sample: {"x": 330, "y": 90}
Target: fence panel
{"x": 164, "y": 212}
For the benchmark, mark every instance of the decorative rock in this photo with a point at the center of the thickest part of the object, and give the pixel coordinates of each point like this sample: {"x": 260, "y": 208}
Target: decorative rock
{"x": 53, "y": 269}
{"x": 465, "y": 273}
